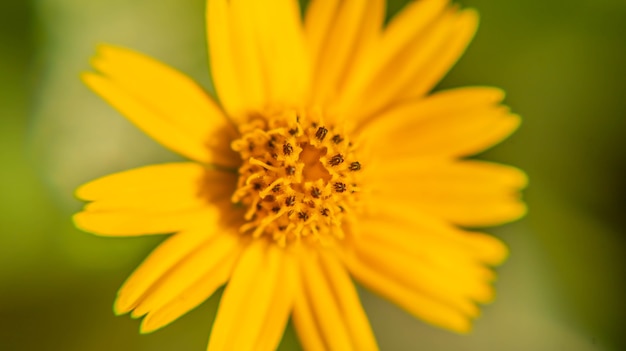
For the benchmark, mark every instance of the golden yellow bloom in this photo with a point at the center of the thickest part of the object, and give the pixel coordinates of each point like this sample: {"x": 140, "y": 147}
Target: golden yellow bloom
{"x": 322, "y": 159}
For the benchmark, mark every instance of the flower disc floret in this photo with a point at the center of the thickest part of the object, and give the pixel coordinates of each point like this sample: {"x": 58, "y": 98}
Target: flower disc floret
{"x": 299, "y": 178}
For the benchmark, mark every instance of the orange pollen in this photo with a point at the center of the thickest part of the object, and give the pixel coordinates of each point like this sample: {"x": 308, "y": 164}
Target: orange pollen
{"x": 299, "y": 179}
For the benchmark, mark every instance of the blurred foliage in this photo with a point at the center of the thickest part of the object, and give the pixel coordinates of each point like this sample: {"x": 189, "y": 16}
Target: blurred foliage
{"x": 560, "y": 63}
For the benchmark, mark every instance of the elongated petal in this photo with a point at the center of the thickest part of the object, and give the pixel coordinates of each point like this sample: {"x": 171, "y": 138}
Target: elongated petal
{"x": 180, "y": 274}
{"x": 202, "y": 267}
{"x": 169, "y": 253}
{"x": 281, "y": 306}
{"x": 319, "y": 20}
{"x": 178, "y": 180}
{"x": 329, "y": 312}
{"x": 251, "y": 73}
{"x": 417, "y": 304}
{"x": 432, "y": 270}
{"x": 323, "y": 306}
{"x": 228, "y": 83}
{"x": 155, "y": 199}
{"x": 246, "y": 304}
{"x": 164, "y": 103}
{"x": 451, "y": 123}
{"x": 408, "y": 25}
{"x": 190, "y": 298}
{"x": 468, "y": 193}
{"x": 135, "y": 223}
{"x": 421, "y": 278}
{"x": 433, "y": 231}
{"x": 460, "y": 256}
{"x": 340, "y": 35}
{"x": 411, "y": 58}
{"x": 436, "y": 254}
{"x": 307, "y": 326}
{"x": 282, "y": 47}
{"x": 348, "y": 302}
{"x": 463, "y": 30}
{"x": 257, "y": 53}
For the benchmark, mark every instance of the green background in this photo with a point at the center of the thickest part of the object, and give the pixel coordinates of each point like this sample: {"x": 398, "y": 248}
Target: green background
{"x": 561, "y": 63}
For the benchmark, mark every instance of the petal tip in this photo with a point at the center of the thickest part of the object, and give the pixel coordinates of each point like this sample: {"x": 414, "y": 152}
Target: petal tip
{"x": 120, "y": 308}
{"x": 91, "y": 79}
{"x": 149, "y": 326}
{"x": 79, "y": 222}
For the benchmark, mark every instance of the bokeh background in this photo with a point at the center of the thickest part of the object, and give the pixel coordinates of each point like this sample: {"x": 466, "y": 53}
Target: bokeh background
{"x": 561, "y": 62}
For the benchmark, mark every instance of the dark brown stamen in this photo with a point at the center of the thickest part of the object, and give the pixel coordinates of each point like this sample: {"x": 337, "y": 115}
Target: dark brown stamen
{"x": 336, "y": 160}
{"x": 316, "y": 193}
{"x": 337, "y": 139}
{"x": 355, "y": 166}
{"x": 340, "y": 187}
{"x": 290, "y": 201}
{"x": 321, "y": 133}
{"x": 287, "y": 149}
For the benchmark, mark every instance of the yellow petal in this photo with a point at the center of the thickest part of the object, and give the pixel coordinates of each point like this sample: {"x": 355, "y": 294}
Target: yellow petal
{"x": 155, "y": 199}
{"x": 173, "y": 250}
{"x": 281, "y": 305}
{"x": 165, "y": 187}
{"x": 449, "y": 269}
{"x": 406, "y": 26}
{"x": 420, "y": 306}
{"x": 452, "y": 123}
{"x": 135, "y": 223}
{"x": 164, "y": 103}
{"x": 433, "y": 231}
{"x": 400, "y": 37}
{"x": 318, "y": 22}
{"x": 339, "y": 35}
{"x": 189, "y": 282}
{"x": 253, "y": 77}
{"x": 404, "y": 70}
{"x": 306, "y": 325}
{"x": 430, "y": 254}
{"x": 468, "y": 193}
{"x": 324, "y": 306}
{"x": 436, "y": 106}
{"x": 257, "y": 54}
{"x": 453, "y": 288}
{"x": 349, "y": 304}
{"x": 190, "y": 298}
{"x": 248, "y": 298}
{"x": 228, "y": 83}
{"x": 463, "y": 32}
{"x": 280, "y": 40}
{"x": 185, "y": 273}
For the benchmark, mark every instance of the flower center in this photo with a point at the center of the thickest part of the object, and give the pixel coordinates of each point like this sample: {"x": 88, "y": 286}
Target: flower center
{"x": 299, "y": 179}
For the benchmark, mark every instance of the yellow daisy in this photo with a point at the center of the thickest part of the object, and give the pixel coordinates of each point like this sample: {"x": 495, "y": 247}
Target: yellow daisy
{"x": 321, "y": 160}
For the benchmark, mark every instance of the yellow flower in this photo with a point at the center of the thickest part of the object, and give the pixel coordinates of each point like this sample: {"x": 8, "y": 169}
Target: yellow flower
{"x": 323, "y": 159}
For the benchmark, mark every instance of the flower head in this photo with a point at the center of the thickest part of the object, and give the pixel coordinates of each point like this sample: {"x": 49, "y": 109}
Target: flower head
{"x": 322, "y": 159}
